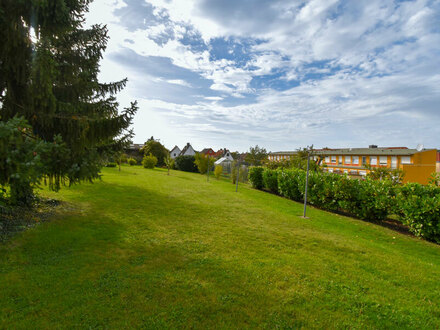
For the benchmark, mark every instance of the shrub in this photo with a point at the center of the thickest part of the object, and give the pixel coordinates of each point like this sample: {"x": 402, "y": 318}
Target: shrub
{"x": 186, "y": 163}
{"x": 434, "y": 179}
{"x": 218, "y": 171}
{"x": 256, "y": 176}
{"x": 132, "y": 161}
{"x": 149, "y": 161}
{"x": 418, "y": 207}
{"x": 270, "y": 180}
{"x": 111, "y": 164}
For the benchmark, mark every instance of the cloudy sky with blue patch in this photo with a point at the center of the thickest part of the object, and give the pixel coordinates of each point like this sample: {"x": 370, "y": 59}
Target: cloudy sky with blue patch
{"x": 277, "y": 73}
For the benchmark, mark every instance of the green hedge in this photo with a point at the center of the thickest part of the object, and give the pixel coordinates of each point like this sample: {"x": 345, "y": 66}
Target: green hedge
{"x": 416, "y": 205}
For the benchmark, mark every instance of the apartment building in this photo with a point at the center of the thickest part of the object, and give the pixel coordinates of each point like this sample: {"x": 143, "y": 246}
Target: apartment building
{"x": 418, "y": 165}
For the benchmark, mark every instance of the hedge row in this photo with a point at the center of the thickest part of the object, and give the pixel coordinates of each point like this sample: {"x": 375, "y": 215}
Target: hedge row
{"x": 416, "y": 205}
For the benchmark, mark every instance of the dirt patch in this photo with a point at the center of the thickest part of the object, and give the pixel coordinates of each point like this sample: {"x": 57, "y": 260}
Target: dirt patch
{"x": 17, "y": 219}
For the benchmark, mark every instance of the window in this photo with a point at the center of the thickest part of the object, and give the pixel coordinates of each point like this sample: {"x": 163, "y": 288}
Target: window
{"x": 347, "y": 159}
{"x": 346, "y": 171}
{"x": 364, "y": 160}
{"x": 405, "y": 160}
{"x": 373, "y": 160}
{"x": 334, "y": 159}
{"x": 340, "y": 160}
{"x": 363, "y": 173}
{"x": 356, "y": 160}
{"x": 327, "y": 159}
{"x": 383, "y": 160}
{"x": 174, "y": 154}
{"x": 330, "y": 170}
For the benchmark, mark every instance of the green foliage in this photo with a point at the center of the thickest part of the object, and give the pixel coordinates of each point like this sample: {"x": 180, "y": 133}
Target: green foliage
{"x": 419, "y": 208}
{"x": 186, "y": 164}
{"x": 385, "y": 173}
{"x": 256, "y": 156}
{"x": 434, "y": 179}
{"x": 51, "y": 80}
{"x": 21, "y": 167}
{"x": 157, "y": 149}
{"x": 169, "y": 163}
{"x": 149, "y": 161}
{"x": 256, "y": 176}
{"x": 132, "y": 161}
{"x": 203, "y": 162}
{"x": 270, "y": 180}
{"x": 218, "y": 171}
{"x": 244, "y": 174}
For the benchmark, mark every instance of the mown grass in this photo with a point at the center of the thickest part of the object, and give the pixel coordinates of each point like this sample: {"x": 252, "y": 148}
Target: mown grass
{"x": 143, "y": 249}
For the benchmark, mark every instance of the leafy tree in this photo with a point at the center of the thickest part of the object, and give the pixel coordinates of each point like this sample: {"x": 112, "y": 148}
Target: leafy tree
{"x": 203, "y": 162}
{"x": 132, "y": 161}
{"x": 149, "y": 161}
{"x": 49, "y": 67}
{"x": 256, "y": 156}
{"x": 157, "y": 149}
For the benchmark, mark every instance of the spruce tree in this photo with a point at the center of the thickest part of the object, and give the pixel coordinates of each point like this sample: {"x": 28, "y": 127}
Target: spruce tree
{"x": 49, "y": 65}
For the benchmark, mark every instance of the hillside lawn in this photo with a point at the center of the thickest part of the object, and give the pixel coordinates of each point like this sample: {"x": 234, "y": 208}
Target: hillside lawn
{"x": 143, "y": 249}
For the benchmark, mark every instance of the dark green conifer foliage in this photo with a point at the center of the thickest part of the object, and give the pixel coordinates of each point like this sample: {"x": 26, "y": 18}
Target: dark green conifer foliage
{"x": 49, "y": 65}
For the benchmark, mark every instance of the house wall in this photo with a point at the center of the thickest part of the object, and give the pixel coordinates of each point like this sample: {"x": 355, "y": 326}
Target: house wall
{"x": 424, "y": 164}
{"x": 189, "y": 152}
{"x": 174, "y": 153}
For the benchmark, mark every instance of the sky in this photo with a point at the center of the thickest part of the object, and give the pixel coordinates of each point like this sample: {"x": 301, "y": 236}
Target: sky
{"x": 276, "y": 73}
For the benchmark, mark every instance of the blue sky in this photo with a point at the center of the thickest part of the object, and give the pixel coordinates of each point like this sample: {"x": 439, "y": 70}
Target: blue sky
{"x": 277, "y": 73}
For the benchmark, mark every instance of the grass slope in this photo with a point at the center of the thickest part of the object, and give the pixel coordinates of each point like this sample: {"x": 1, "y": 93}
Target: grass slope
{"x": 143, "y": 249}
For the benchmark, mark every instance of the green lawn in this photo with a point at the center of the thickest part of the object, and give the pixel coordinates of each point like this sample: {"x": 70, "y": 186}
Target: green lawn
{"x": 143, "y": 249}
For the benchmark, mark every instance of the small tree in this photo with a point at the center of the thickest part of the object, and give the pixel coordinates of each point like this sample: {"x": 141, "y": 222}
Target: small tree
{"x": 256, "y": 156}
{"x": 218, "y": 171}
{"x": 384, "y": 173}
{"x": 132, "y": 161}
{"x": 149, "y": 161}
{"x": 203, "y": 162}
{"x": 169, "y": 163}
{"x": 157, "y": 149}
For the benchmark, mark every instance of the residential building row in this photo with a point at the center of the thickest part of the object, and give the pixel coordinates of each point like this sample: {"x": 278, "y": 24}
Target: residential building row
{"x": 417, "y": 164}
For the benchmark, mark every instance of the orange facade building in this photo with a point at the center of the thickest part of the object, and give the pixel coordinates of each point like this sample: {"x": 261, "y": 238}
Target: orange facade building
{"x": 417, "y": 165}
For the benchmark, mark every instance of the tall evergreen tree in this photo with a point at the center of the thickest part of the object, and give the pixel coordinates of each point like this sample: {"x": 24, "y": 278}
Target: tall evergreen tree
{"x": 49, "y": 65}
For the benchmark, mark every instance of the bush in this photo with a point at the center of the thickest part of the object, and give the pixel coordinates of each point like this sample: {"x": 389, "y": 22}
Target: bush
{"x": 186, "y": 163}
{"x": 149, "y": 161}
{"x": 218, "y": 171}
{"x": 256, "y": 176}
{"x": 111, "y": 165}
{"x": 418, "y": 207}
{"x": 132, "y": 161}
{"x": 270, "y": 180}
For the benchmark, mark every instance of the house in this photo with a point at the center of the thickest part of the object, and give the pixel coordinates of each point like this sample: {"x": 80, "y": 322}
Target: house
{"x": 175, "y": 152}
{"x": 208, "y": 151}
{"x": 224, "y": 153}
{"x": 187, "y": 150}
{"x": 417, "y": 164}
